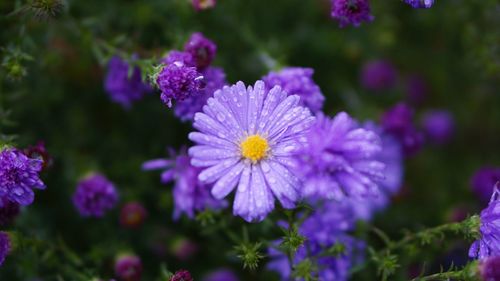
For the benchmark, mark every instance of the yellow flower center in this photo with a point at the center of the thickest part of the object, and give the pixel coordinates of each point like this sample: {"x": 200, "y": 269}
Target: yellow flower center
{"x": 254, "y": 148}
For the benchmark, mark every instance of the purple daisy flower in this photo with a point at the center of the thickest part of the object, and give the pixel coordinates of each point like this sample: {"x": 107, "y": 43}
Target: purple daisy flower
{"x": 94, "y": 196}
{"x": 8, "y": 211}
{"x": 190, "y": 194}
{"x": 124, "y": 88}
{"x": 338, "y": 159}
{"x": 297, "y": 81}
{"x": 483, "y": 182}
{"x": 221, "y": 275}
{"x": 5, "y": 246}
{"x": 378, "y": 75}
{"x": 351, "y": 12}
{"x": 201, "y": 49}
{"x": 439, "y": 125}
{"x": 177, "y": 81}
{"x": 419, "y": 4}
{"x": 199, "y": 5}
{"x": 246, "y": 138}
{"x": 489, "y": 243}
{"x": 128, "y": 268}
{"x": 398, "y": 121}
{"x": 215, "y": 79}
{"x": 19, "y": 175}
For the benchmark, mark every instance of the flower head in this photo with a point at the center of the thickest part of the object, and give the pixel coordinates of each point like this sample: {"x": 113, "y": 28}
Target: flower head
{"x": 8, "y": 211}
{"x": 132, "y": 215}
{"x": 489, "y": 269}
{"x": 215, "y": 79}
{"x": 378, "y": 75}
{"x": 19, "y": 175}
{"x": 398, "y": 122}
{"x": 297, "y": 81}
{"x": 338, "y": 159}
{"x": 203, "y": 4}
{"x": 439, "y": 125}
{"x": 190, "y": 194}
{"x": 201, "y": 49}
{"x": 351, "y": 12}
{"x": 128, "y": 268}
{"x": 488, "y": 244}
{"x": 181, "y": 275}
{"x": 419, "y": 4}
{"x": 124, "y": 86}
{"x": 246, "y": 138}
{"x": 5, "y": 246}
{"x": 177, "y": 81}
{"x": 483, "y": 182}
{"x": 94, "y": 196}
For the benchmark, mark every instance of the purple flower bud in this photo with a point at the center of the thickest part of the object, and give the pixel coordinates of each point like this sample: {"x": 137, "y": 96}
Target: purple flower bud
{"x": 378, "y": 75}
{"x": 439, "y": 125}
{"x": 351, "y": 12}
{"x": 181, "y": 275}
{"x": 128, "y": 268}
{"x": 398, "y": 121}
{"x": 94, "y": 196}
{"x": 483, "y": 181}
{"x": 132, "y": 215}
{"x": 201, "y": 49}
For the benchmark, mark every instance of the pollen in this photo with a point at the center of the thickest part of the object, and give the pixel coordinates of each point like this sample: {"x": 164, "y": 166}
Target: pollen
{"x": 254, "y": 148}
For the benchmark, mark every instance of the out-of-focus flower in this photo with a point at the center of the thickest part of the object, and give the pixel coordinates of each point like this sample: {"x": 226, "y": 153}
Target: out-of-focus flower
{"x": 181, "y": 275}
{"x": 123, "y": 85}
{"x": 247, "y": 137}
{"x": 179, "y": 56}
{"x": 337, "y": 160}
{"x": 132, "y": 215}
{"x": 39, "y": 151}
{"x": 221, "y": 275}
{"x": 439, "y": 126}
{"x": 351, "y": 12}
{"x": 488, "y": 244}
{"x": 128, "y": 268}
{"x": 378, "y": 75}
{"x": 199, "y": 5}
{"x": 419, "y": 4}
{"x": 8, "y": 211}
{"x": 215, "y": 79}
{"x": 483, "y": 182}
{"x": 489, "y": 269}
{"x": 177, "y": 81}
{"x": 398, "y": 121}
{"x": 94, "y": 196}
{"x": 184, "y": 249}
{"x": 5, "y": 246}
{"x": 201, "y": 49}
{"x": 19, "y": 175}
{"x": 297, "y": 81}
{"x": 190, "y": 194}
{"x": 416, "y": 89}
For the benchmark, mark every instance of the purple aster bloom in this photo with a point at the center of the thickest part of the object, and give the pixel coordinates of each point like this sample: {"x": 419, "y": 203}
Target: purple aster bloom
{"x": 181, "y": 275}
{"x": 190, "y": 194}
{"x": 297, "y": 81}
{"x": 201, "y": 49}
{"x": 351, "y": 12}
{"x": 19, "y": 175}
{"x": 94, "y": 196}
{"x": 128, "y": 268}
{"x": 246, "y": 138}
{"x": 483, "y": 181}
{"x": 378, "y": 75}
{"x": 5, "y": 246}
{"x": 417, "y": 89}
{"x": 215, "y": 79}
{"x": 177, "y": 81}
{"x": 221, "y": 275}
{"x": 489, "y": 269}
{"x": 123, "y": 86}
{"x": 419, "y": 4}
{"x": 398, "y": 121}
{"x": 488, "y": 244}
{"x": 179, "y": 56}
{"x": 439, "y": 126}
{"x": 8, "y": 211}
{"x": 338, "y": 159}
{"x": 199, "y": 5}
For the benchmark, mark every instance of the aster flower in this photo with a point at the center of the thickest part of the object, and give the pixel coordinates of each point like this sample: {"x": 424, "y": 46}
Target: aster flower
{"x": 19, "y": 175}
{"x": 246, "y": 138}
{"x": 132, "y": 215}
{"x": 338, "y": 159}
{"x": 5, "y": 246}
{"x": 123, "y": 86}
{"x": 203, "y": 4}
{"x": 215, "y": 79}
{"x": 398, "y": 121}
{"x": 8, "y": 211}
{"x": 488, "y": 244}
{"x": 178, "y": 81}
{"x": 221, "y": 275}
{"x": 190, "y": 194}
{"x": 201, "y": 49}
{"x": 419, "y": 4}
{"x": 351, "y": 12}
{"x": 181, "y": 275}
{"x": 94, "y": 196}
{"x": 439, "y": 126}
{"x": 483, "y": 182}
{"x": 489, "y": 269}
{"x": 378, "y": 75}
{"x": 297, "y": 81}
{"x": 128, "y": 268}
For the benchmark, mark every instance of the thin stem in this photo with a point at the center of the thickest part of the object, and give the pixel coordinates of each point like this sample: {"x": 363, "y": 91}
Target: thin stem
{"x": 455, "y": 275}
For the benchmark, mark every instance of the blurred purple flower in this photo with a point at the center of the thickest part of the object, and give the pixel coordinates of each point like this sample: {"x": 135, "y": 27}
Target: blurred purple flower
{"x": 178, "y": 81}
{"x": 199, "y": 5}
{"x": 132, "y": 215}
{"x": 439, "y": 126}
{"x": 351, "y": 12}
{"x": 8, "y": 211}
{"x": 94, "y": 196}
{"x": 128, "y": 268}
{"x": 201, "y": 49}
{"x": 221, "y": 275}
{"x": 179, "y": 56}
{"x": 184, "y": 249}
{"x": 5, "y": 246}
{"x": 419, "y": 4}
{"x": 19, "y": 175}
{"x": 483, "y": 182}
{"x": 398, "y": 121}
{"x": 181, "y": 275}
{"x": 489, "y": 269}
{"x": 378, "y": 75}
{"x": 416, "y": 89}
{"x": 297, "y": 81}
{"x": 39, "y": 151}
{"x": 123, "y": 85}
{"x": 488, "y": 244}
